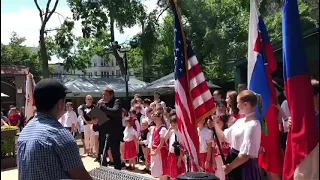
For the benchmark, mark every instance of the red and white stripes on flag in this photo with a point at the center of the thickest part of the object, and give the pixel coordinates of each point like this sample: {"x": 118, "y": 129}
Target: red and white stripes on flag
{"x": 192, "y": 96}
{"x": 30, "y": 107}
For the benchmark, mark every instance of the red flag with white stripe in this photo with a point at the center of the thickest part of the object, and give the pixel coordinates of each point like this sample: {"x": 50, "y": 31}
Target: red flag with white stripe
{"x": 192, "y": 96}
{"x": 30, "y": 108}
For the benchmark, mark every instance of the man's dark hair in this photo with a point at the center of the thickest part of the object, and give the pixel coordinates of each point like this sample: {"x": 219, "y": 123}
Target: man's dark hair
{"x": 47, "y": 94}
{"x": 315, "y": 86}
{"x": 156, "y": 92}
{"x": 109, "y": 90}
{"x": 147, "y": 101}
{"x": 219, "y": 91}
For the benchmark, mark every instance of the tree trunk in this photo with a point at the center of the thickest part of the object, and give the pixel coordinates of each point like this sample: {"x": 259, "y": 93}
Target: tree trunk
{"x": 115, "y": 48}
{"x": 44, "y": 55}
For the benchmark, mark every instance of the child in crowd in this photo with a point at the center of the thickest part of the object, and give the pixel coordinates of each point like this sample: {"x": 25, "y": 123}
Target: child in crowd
{"x": 148, "y": 115}
{"x": 166, "y": 114}
{"x": 222, "y": 123}
{"x": 135, "y": 121}
{"x": 159, "y": 151}
{"x": 153, "y": 106}
{"x": 144, "y": 137}
{"x": 205, "y": 140}
{"x": 175, "y": 166}
{"x": 221, "y": 107}
{"x": 130, "y": 138}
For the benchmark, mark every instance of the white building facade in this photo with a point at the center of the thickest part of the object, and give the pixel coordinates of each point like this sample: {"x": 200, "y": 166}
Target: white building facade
{"x": 99, "y": 68}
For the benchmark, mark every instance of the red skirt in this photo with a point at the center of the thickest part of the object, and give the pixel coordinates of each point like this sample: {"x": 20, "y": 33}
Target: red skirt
{"x": 164, "y": 157}
{"x": 202, "y": 161}
{"x": 130, "y": 151}
{"x": 172, "y": 170}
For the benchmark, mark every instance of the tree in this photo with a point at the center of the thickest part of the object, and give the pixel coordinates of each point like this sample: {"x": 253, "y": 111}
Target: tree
{"x": 45, "y": 15}
{"x": 15, "y": 54}
{"x": 106, "y": 15}
{"x": 77, "y": 51}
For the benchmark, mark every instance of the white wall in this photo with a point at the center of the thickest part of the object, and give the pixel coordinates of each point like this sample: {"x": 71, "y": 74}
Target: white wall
{"x": 98, "y": 67}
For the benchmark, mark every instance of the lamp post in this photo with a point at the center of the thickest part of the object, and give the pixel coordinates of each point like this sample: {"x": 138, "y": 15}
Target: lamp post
{"x": 126, "y": 78}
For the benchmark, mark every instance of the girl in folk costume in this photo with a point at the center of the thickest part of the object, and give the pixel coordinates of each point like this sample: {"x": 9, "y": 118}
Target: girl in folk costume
{"x": 130, "y": 138}
{"x": 159, "y": 151}
{"x": 205, "y": 140}
{"x": 244, "y": 137}
{"x": 135, "y": 121}
{"x": 222, "y": 123}
{"x": 175, "y": 164}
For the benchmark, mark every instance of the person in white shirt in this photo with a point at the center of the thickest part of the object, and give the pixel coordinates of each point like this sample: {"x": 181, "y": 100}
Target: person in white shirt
{"x": 69, "y": 119}
{"x": 157, "y": 100}
{"x": 244, "y": 137}
{"x": 205, "y": 147}
{"x": 130, "y": 138}
{"x": 285, "y": 114}
{"x": 175, "y": 164}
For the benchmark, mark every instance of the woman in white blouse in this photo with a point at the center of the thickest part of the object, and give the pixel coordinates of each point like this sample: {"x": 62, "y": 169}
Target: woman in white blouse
{"x": 244, "y": 137}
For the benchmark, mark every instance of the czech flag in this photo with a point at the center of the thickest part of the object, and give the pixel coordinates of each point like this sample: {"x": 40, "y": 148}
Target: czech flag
{"x": 302, "y": 152}
{"x": 261, "y": 63}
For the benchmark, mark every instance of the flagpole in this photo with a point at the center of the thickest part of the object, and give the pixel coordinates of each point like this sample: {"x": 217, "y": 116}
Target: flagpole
{"x": 220, "y": 148}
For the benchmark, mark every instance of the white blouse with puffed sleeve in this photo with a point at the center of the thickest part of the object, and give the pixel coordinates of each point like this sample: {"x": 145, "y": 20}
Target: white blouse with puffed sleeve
{"x": 244, "y": 136}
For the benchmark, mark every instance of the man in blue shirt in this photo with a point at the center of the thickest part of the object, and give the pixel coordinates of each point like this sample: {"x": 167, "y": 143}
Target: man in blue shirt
{"x": 45, "y": 149}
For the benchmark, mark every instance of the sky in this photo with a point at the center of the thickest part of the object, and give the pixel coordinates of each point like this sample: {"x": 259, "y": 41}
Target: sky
{"x": 22, "y": 17}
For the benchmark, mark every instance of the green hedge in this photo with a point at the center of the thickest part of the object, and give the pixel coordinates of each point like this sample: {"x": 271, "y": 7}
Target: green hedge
{"x": 8, "y": 144}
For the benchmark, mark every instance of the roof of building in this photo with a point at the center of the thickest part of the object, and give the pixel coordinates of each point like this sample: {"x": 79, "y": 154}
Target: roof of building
{"x": 14, "y": 70}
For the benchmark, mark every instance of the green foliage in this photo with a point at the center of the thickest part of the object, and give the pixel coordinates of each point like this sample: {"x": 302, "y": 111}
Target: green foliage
{"x": 77, "y": 51}
{"x": 8, "y": 143}
{"x": 308, "y": 20}
{"x": 8, "y": 128}
{"x": 16, "y": 54}
{"x": 97, "y": 16}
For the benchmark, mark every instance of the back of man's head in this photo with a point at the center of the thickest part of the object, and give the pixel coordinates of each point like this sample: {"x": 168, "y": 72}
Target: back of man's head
{"x": 47, "y": 93}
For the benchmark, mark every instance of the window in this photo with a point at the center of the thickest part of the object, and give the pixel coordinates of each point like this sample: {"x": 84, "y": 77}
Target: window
{"x": 116, "y": 63}
{"x": 94, "y": 64}
{"x": 102, "y": 74}
{"x": 102, "y": 63}
{"x": 112, "y": 73}
{"x": 95, "y": 73}
{"x": 108, "y": 74}
{"x": 112, "y": 63}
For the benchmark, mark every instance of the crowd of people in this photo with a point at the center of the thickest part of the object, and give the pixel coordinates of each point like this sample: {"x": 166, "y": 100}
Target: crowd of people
{"x": 148, "y": 132}
{"x": 14, "y": 117}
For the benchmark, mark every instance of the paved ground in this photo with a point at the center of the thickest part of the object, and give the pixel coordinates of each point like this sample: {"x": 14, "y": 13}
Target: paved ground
{"x": 12, "y": 174}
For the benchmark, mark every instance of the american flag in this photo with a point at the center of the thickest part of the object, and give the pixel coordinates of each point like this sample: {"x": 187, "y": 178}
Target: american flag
{"x": 193, "y": 98}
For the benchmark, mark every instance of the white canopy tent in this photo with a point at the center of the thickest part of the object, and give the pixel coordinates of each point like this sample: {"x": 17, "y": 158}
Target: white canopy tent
{"x": 4, "y": 95}
{"x": 83, "y": 86}
{"x": 166, "y": 85}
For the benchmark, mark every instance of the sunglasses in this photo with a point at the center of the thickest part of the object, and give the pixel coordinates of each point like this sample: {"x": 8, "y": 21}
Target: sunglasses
{"x": 89, "y": 99}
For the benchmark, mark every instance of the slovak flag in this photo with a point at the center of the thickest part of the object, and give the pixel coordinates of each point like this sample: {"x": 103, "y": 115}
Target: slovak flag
{"x": 261, "y": 63}
{"x": 30, "y": 108}
{"x": 302, "y": 153}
